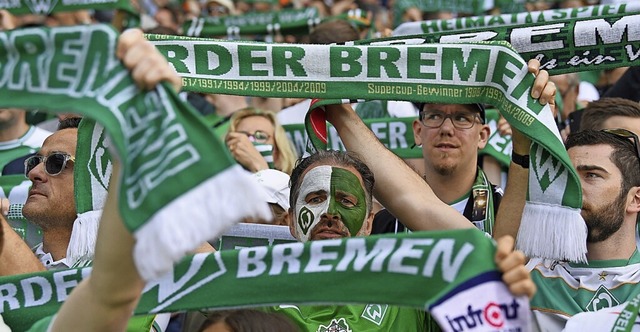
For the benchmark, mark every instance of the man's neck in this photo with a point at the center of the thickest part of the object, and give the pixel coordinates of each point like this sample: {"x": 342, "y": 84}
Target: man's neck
{"x": 449, "y": 188}
{"x": 14, "y": 132}
{"x": 56, "y": 242}
{"x": 620, "y": 245}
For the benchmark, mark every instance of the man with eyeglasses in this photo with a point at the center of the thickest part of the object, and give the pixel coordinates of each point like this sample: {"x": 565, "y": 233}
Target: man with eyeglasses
{"x": 450, "y": 137}
{"x": 608, "y": 165}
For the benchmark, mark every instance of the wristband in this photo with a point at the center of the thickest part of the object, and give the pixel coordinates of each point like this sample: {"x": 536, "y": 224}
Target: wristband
{"x": 519, "y": 159}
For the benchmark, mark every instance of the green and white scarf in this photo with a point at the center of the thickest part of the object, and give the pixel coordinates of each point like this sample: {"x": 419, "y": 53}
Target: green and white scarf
{"x": 450, "y": 273}
{"x": 45, "y": 7}
{"x": 490, "y": 73}
{"x": 91, "y": 175}
{"x": 288, "y": 21}
{"x": 524, "y": 18}
{"x": 562, "y": 46}
{"x": 171, "y": 161}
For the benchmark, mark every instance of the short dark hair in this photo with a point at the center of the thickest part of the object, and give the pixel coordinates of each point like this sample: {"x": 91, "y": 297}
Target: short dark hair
{"x": 333, "y": 31}
{"x": 599, "y": 111}
{"x": 337, "y": 158}
{"x": 624, "y": 154}
{"x": 250, "y": 320}
{"x": 67, "y": 123}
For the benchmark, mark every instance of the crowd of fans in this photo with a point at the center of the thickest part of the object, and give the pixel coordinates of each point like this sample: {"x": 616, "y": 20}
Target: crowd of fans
{"x": 453, "y": 186}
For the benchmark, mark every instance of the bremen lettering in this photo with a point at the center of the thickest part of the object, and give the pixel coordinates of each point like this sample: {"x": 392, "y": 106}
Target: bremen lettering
{"x": 404, "y": 256}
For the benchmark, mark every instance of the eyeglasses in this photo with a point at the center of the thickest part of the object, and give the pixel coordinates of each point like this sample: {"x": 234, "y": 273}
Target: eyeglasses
{"x": 460, "y": 120}
{"x": 258, "y": 136}
{"x": 54, "y": 163}
{"x": 220, "y": 10}
{"x": 626, "y": 134}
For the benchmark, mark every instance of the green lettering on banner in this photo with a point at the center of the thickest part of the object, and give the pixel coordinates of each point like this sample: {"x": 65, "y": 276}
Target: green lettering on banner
{"x": 345, "y": 61}
{"x": 494, "y": 21}
{"x": 253, "y": 54}
{"x": 218, "y": 60}
{"x": 583, "y": 42}
{"x": 419, "y": 59}
{"x": 381, "y": 58}
{"x": 455, "y": 60}
{"x": 176, "y": 55}
{"x": 288, "y": 57}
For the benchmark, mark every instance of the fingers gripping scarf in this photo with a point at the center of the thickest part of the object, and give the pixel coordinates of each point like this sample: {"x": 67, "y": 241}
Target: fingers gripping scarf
{"x": 173, "y": 193}
{"x": 491, "y": 73}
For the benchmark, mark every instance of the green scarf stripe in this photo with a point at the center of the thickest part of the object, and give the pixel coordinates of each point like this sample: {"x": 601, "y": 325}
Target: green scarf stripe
{"x": 169, "y": 157}
{"x": 417, "y": 269}
{"x": 288, "y": 21}
{"x": 528, "y": 18}
{"x": 44, "y": 7}
{"x": 562, "y": 46}
{"x": 491, "y": 73}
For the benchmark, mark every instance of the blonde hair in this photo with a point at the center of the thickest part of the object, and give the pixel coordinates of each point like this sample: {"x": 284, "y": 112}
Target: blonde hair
{"x": 284, "y": 154}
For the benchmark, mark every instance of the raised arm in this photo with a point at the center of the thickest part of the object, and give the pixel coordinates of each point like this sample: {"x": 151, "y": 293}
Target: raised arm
{"x": 512, "y": 205}
{"x": 398, "y": 187}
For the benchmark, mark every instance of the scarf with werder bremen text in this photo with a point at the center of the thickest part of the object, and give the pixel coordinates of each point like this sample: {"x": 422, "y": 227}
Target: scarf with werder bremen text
{"x": 523, "y": 18}
{"x": 45, "y": 7}
{"x": 491, "y": 73}
{"x": 171, "y": 160}
{"x": 451, "y": 274}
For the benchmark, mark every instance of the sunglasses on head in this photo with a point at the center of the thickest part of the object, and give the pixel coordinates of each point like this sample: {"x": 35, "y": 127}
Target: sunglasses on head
{"x": 626, "y": 134}
{"x": 54, "y": 163}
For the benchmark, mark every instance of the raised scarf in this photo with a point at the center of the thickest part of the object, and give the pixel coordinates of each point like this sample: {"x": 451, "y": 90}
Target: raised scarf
{"x": 171, "y": 161}
{"x": 449, "y": 273}
{"x": 45, "y": 7}
{"x": 528, "y": 18}
{"x": 490, "y": 73}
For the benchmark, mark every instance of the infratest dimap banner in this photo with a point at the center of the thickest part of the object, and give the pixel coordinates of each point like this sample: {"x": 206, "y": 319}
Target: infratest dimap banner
{"x": 428, "y": 270}
{"x": 528, "y": 18}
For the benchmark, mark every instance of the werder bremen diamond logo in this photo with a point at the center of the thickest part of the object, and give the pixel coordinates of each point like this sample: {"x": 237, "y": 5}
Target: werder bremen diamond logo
{"x": 337, "y": 325}
{"x": 547, "y": 168}
{"x": 375, "y": 313}
{"x": 41, "y": 7}
{"x": 602, "y": 299}
{"x": 99, "y": 163}
{"x": 305, "y": 218}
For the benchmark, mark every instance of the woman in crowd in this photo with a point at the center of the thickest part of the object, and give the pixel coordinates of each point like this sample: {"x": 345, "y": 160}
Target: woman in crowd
{"x": 257, "y": 141}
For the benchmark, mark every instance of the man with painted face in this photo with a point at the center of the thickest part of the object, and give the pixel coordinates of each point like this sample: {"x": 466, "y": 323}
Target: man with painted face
{"x": 331, "y": 197}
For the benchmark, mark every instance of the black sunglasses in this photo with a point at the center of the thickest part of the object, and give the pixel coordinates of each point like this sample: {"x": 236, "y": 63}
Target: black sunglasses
{"x": 54, "y": 163}
{"x": 626, "y": 134}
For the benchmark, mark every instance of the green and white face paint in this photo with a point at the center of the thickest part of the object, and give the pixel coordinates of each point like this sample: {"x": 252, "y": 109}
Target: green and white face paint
{"x": 334, "y": 190}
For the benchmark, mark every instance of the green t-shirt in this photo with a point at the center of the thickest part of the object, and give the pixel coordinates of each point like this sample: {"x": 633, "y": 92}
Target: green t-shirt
{"x": 361, "y": 318}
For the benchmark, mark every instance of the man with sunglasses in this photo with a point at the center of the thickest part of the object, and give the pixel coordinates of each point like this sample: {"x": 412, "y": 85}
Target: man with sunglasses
{"x": 450, "y": 137}
{"x": 51, "y": 202}
{"x": 608, "y": 165}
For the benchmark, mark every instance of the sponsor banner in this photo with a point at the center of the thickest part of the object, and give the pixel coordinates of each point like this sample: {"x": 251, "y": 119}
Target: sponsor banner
{"x": 528, "y": 18}
{"x": 417, "y": 268}
{"x": 562, "y": 46}
{"x": 462, "y": 311}
{"x": 45, "y": 7}
{"x": 288, "y": 21}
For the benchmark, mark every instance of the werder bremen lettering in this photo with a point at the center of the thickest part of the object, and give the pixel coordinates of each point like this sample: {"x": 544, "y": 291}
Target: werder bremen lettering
{"x": 422, "y": 257}
{"x": 72, "y": 70}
